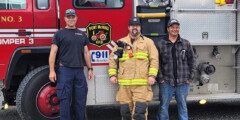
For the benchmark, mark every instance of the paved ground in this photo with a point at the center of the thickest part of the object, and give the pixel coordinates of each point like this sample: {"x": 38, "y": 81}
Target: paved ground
{"x": 229, "y": 110}
{"x": 9, "y": 114}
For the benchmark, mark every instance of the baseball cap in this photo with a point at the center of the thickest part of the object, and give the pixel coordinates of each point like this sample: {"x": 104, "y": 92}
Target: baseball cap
{"x": 172, "y": 21}
{"x": 70, "y": 12}
{"x": 134, "y": 21}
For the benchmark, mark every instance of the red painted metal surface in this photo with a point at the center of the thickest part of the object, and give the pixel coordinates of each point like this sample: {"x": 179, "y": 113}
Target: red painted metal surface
{"x": 117, "y": 18}
{"x": 229, "y": 1}
{"x": 32, "y": 20}
{"x": 13, "y": 19}
{"x": 45, "y": 19}
{"x": 47, "y": 101}
{"x": 34, "y": 27}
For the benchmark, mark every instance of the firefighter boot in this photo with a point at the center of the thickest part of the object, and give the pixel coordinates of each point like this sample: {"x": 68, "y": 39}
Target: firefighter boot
{"x": 125, "y": 112}
{"x": 140, "y": 110}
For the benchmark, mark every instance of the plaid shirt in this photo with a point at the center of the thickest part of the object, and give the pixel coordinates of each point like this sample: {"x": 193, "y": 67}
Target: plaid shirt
{"x": 186, "y": 61}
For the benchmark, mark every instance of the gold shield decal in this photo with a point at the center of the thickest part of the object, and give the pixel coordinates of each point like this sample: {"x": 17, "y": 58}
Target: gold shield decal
{"x": 99, "y": 34}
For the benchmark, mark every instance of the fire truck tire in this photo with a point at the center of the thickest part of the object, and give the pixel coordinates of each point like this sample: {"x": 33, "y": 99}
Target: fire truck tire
{"x": 27, "y": 92}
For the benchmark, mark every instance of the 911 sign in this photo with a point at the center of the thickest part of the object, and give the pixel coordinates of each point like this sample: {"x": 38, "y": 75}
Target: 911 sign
{"x": 99, "y": 56}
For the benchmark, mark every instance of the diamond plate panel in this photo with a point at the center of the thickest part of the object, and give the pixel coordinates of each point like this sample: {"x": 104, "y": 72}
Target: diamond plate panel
{"x": 101, "y": 91}
{"x": 105, "y": 91}
{"x": 238, "y": 20}
{"x": 91, "y": 97}
{"x": 218, "y": 23}
{"x": 220, "y": 27}
{"x": 237, "y": 62}
{"x": 238, "y": 52}
{"x": 194, "y": 4}
{"x": 220, "y": 96}
{"x": 223, "y": 80}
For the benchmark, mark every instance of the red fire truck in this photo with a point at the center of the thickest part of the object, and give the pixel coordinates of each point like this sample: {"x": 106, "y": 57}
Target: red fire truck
{"x": 27, "y": 28}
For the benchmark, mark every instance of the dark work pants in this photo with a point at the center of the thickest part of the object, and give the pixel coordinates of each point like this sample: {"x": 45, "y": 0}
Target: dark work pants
{"x": 72, "y": 93}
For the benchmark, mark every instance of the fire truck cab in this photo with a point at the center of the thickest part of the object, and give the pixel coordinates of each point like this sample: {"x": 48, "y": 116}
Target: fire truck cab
{"x": 27, "y": 28}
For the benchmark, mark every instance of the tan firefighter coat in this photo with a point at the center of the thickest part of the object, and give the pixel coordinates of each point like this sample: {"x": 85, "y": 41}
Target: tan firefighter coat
{"x": 139, "y": 61}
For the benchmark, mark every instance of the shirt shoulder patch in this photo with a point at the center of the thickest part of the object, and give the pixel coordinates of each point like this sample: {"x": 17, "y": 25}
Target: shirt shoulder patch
{"x": 78, "y": 34}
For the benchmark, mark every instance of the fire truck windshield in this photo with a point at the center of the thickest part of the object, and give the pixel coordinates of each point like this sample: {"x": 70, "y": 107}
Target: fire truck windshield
{"x": 12, "y": 4}
{"x": 98, "y": 3}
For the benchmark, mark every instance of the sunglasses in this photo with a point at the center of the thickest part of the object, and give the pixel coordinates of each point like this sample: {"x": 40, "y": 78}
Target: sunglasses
{"x": 70, "y": 11}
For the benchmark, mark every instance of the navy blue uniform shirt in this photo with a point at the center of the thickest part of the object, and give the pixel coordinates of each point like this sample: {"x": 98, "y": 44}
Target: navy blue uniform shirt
{"x": 70, "y": 44}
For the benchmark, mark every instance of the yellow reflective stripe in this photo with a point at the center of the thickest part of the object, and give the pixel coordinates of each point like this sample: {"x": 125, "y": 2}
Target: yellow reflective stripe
{"x": 133, "y": 82}
{"x": 112, "y": 71}
{"x": 153, "y": 71}
{"x": 140, "y": 55}
{"x": 121, "y": 59}
{"x": 125, "y": 56}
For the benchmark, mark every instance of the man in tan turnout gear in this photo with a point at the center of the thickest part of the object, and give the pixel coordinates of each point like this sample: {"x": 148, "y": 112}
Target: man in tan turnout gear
{"x": 133, "y": 65}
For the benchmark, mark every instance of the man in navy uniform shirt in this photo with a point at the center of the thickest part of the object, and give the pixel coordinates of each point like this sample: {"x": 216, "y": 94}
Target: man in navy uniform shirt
{"x": 71, "y": 45}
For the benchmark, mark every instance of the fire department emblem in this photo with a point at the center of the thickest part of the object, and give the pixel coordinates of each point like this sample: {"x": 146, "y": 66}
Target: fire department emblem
{"x": 99, "y": 34}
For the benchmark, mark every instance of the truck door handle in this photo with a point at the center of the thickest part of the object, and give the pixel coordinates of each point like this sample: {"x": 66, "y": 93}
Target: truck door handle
{"x": 24, "y": 33}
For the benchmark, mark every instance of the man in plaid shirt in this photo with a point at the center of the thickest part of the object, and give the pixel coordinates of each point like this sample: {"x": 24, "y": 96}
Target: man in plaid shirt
{"x": 177, "y": 67}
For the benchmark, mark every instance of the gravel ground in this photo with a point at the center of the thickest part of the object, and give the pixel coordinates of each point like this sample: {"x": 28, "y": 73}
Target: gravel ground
{"x": 228, "y": 110}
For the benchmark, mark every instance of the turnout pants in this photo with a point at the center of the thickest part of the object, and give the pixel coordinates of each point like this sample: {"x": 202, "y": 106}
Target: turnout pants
{"x": 72, "y": 93}
{"x": 134, "y": 100}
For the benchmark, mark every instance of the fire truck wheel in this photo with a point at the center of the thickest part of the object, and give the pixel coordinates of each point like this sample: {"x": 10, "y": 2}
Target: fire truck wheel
{"x": 37, "y": 96}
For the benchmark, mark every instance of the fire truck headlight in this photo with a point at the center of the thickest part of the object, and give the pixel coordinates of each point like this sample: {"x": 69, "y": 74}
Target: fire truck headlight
{"x": 202, "y": 101}
{"x": 5, "y": 106}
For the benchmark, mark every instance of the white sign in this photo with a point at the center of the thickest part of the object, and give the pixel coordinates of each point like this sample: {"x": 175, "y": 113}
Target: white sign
{"x": 16, "y": 41}
{"x": 99, "y": 56}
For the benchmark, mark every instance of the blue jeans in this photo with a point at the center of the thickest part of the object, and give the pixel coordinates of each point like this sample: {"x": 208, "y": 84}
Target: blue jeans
{"x": 166, "y": 92}
{"x": 72, "y": 93}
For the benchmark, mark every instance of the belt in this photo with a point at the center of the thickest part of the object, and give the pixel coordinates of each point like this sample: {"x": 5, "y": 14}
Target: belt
{"x": 60, "y": 64}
